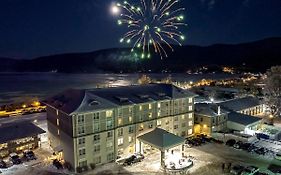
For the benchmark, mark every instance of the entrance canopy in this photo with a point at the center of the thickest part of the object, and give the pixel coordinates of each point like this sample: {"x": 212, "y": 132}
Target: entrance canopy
{"x": 161, "y": 139}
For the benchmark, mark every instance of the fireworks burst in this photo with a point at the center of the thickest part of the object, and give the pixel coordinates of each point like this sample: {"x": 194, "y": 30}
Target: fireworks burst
{"x": 153, "y": 25}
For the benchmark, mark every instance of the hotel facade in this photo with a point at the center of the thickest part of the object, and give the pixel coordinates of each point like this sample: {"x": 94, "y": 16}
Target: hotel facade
{"x": 92, "y": 127}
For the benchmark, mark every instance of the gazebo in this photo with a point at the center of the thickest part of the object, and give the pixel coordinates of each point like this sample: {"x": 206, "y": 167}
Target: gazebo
{"x": 162, "y": 140}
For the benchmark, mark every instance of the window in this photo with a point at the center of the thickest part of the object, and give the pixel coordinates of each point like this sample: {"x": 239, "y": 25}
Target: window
{"x": 190, "y": 108}
{"x": 150, "y": 115}
{"x": 109, "y": 144}
{"x": 109, "y": 113}
{"x": 96, "y": 138}
{"x": 176, "y": 126}
{"x": 130, "y": 119}
{"x": 120, "y": 132}
{"x": 96, "y": 127}
{"x": 58, "y": 132}
{"x": 150, "y": 125}
{"x": 159, "y": 122}
{"x": 80, "y": 119}
{"x": 140, "y": 117}
{"x": 57, "y": 112}
{"x": 109, "y": 134}
{"x": 189, "y": 131}
{"x": 97, "y": 148}
{"x": 81, "y": 141}
{"x": 120, "y": 141}
{"x": 58, "y": 122}
{"x": 131, "y": 129}
{"x": 97, "y": 160}
{"x": 109, "y": 124}
{"x": 167, "y": 122}
{"x": 110, "y": 157}
{"x": 96, "y": 116}
{"x": 140, "y": 107}
{"x": 82, "y": 152}
{"x": 130, "y": 139}
{"x": 182, "y": 117}
{"x": 83, "y": 163}
{"x": 159, "y": 105}
{"x": 141, "y": 127}
{"x": 190, "y": 115}
{"x": 176, "y": 119}
{"x": 119, "y": 121}
{"x": 150, "y": 106}
{"x": 190, "y": 123}
{"x": 81, "y": 130}
{"x": 201, "y": 119}
{"x": 183, "y": 125}
{"x": 190, "y": 100}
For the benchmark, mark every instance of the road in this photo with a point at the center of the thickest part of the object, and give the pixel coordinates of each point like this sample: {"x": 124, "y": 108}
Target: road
{"x": 39, "y": 117}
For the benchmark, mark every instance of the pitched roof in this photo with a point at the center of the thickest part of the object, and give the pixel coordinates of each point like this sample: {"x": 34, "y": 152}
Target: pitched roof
{"x": 18, "y": 130}
{"x": 93, "y": 99}
{"x": 161, "y": 139}
{"x": 240, "y": 103}
{"x": 208, "y": 109}
{"x": 242, "y": 118}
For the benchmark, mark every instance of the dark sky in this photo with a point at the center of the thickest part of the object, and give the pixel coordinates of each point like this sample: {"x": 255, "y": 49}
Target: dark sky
{"x": 31, "y": 28}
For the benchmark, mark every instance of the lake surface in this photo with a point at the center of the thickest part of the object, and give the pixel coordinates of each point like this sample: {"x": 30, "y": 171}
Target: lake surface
{"x": 19, "y": 87}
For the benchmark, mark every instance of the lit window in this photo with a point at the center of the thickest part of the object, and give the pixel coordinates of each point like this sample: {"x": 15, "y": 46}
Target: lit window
{"x": 130, "y": 119}
{"x": 158, "y": 122}
{"x": 182, "y": 117}
{"x": 130, "y": 139}
{"x": 190, "y": 115}
{"x": 119, "y": 121}
{"x": 150, "y": 106}
{"x": 159, "y": 105}
{"x": 57, "y": 112}
{"x": 120, "y": 141}
{"x": 58, "y": 132}
{"x": 140, "y": 107}
{"x": 150, "y": 115}
{"x": 189, "y": 131}
{"x": 190, "y": 108}
{"x": 109, "y": 113}
{"x": 190, "y": 100}
{"x": 58, "y": 122}
{"x": 190, "y": 123}
{"x": 141, "y": 127}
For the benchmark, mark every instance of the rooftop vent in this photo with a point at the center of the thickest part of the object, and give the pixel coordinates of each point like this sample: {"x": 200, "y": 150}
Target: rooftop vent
{"x": 122, "y": 99}
{"x": 93, "y": 102}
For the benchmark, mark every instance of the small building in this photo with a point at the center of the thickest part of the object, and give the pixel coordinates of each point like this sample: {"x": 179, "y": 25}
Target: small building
{"x": 248, "y": 105}
{"x": 209, "y": 118}
{"x": 19, "y": 136}
{"x": 243, "y": 123}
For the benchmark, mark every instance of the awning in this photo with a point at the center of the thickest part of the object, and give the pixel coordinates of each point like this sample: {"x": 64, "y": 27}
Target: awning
{"x": 161, "y": 139}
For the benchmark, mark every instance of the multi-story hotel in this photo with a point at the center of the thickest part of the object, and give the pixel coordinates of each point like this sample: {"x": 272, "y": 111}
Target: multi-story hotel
{"x": 95, "y": 126}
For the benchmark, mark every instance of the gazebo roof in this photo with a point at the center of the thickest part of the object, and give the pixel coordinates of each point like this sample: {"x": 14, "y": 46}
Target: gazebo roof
{"x": 161, "y": 139}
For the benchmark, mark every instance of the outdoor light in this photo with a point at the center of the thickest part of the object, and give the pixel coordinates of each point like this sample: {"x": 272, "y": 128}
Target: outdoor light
{"x": 115, "y": 10}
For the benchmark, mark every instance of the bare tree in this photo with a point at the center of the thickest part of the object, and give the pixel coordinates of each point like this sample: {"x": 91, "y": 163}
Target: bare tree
{"x": 273, "y": 90}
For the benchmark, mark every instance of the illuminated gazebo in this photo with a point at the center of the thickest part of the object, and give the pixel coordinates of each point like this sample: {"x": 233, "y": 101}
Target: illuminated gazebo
{"x": 161, "y": 140}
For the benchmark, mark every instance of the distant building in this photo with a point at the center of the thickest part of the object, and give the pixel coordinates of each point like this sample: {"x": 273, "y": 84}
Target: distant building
{"x": 17, "y": 137}
{"x": 247, "y": 105}
{"x": 208, "y": 118}
{"x": 243, "y": 123}
{"x": 95, "y": 126}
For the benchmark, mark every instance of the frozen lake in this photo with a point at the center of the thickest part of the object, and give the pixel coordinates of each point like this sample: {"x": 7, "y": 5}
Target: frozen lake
{"x": 21, "y": 86}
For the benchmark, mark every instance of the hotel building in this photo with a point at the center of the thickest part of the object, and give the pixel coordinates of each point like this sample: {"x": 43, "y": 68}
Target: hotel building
{"x": 92, "y": 127}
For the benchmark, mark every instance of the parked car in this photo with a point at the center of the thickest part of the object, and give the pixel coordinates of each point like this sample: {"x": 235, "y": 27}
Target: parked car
{"x": 250, "y": 170}
{"x": 238, "y": 145}
{"x": 14, "y": 157}
{"x": 237, "y": 169}
{"x": 278, "y": 156}
{"x": 230, "y": 142}
{"x": 29, "y": 155}
{"x": 57, "y": 164}
{"x": 3, "y": 164}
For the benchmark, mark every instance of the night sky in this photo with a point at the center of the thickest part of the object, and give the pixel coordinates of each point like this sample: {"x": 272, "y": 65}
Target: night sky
{"x": 31, "y": 28}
